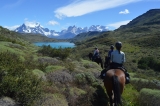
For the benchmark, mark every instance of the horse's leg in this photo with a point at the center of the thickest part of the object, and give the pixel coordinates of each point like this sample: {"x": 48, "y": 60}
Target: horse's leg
{"x": 110, "y": 94}
{"x": 101, "y": 64}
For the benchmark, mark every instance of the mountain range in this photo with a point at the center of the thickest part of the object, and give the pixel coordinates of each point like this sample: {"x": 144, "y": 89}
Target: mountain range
{"x": 68, "y": 33}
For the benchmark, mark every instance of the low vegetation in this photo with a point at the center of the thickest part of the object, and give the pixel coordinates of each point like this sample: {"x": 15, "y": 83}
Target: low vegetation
{"x": 44, "y": 76}
{"x": 149, "y": 63}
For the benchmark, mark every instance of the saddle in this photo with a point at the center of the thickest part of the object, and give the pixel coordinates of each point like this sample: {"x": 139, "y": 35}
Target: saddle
{"x": 127, "y": 76}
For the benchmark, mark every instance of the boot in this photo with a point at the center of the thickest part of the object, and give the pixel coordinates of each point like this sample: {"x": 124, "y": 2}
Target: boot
{"x": 127, "y": 77}
{"x": 102, "y": 75}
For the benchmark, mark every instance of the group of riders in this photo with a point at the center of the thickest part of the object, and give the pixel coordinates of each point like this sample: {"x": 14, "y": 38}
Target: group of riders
{"x": 115, "y": 59}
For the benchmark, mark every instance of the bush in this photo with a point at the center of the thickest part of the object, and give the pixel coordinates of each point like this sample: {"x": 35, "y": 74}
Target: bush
{"x": 16, "y": 82}
{"x": 62, "y": 77}
{"x": 140, "y": 83}
{"x": 85, "y": 79}
{"x": 149, "y": 97}
{"x": 149, "y": 62}
{"x": 70, "y": 66}
{"x": 63, "y": 53}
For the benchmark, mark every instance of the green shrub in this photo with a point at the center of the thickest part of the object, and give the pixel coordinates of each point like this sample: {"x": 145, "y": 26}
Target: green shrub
{"x": 149, "y": 97}
{"x": 63, "y": 53}
{"x": 70, "y": 66}
{"x": 134, "y": 61}
{"x": 62, "y": 77}
{"x": 149, "y": 62}
{"x": 85, "y": 78}
{"x": 16, "y": 82}
{"x": 140, "y": 83}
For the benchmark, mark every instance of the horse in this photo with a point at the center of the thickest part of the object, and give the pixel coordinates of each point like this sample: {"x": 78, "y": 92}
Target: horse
{"x": 106, "y": 62}
{"x": 90, "y": 55}
{"x": 98, "y": 59}
{"x": 114, "y": 83}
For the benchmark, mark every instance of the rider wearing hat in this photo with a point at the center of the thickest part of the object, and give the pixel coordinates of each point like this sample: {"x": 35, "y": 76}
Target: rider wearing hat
{"x": 117, "y": 59}
{"x": 107, "y": 62}
{"x": 117, "y": 56}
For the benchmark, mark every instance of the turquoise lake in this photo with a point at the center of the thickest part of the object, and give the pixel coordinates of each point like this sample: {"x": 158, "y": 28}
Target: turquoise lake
{"x": 56, "y": 44}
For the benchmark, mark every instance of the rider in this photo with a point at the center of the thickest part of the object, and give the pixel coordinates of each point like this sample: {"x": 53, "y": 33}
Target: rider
{"x": 96, "y": 53}
{"x": 109, "y": 54}
{"x": 118, "y": 58}
{"x": 107, "y": 62}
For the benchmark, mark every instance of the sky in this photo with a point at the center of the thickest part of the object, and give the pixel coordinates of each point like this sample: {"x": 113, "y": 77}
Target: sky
{"x": 60, "y": 14}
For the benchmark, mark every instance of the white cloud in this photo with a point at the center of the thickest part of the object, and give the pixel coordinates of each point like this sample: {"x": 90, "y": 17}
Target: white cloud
{"x": 82, "y": 7}
{"x": 12, "y": 27}
{"x": 118, "y": 24}
{"x": 126, "y": 11}
{"x": 52, "y": 22}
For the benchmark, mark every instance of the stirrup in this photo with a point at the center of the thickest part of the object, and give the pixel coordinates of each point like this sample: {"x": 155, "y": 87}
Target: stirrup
{"x": 127, "y": 80}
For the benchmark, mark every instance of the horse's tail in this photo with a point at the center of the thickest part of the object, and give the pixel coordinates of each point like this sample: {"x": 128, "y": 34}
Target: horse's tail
{"x": 116, "y": 89}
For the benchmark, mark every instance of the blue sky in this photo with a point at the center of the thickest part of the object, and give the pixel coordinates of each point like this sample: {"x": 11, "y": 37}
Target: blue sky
{"x": 59, "y": 14}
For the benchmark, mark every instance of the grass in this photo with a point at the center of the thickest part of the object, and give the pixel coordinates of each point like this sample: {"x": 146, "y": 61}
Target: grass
{"x": 53, "y": 68}
{"x": 130, "y": 96}
{"x": 74, "y": 81}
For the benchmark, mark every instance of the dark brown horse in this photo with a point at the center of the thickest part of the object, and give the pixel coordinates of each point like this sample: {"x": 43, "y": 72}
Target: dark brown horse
{"x": 97, "y": 59}
{"x": 114, "y": 83}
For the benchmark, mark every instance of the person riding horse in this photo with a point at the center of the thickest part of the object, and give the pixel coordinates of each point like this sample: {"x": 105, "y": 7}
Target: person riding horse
{"x": 107, "y": 58}
{"x": 117, "y": 60}
{"x": 95, "y": 54}
{"x": 96, "y": 57}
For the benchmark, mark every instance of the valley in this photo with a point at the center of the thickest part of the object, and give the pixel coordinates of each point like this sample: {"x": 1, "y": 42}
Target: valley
{"x": 38, "y": 76}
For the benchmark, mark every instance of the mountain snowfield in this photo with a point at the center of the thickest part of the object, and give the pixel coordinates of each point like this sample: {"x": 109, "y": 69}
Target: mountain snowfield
{"x": 71, "y": 32}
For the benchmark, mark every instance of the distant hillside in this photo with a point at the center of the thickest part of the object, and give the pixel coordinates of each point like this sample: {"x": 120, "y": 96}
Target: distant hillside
{"x": 11, "y": 36}
{"x": 37, "y": 38}
{"x": 140, "y": 38}
{"x": 147, "y": 24}
{"x": 87, "y": 35}
{"x": 151, "y": 17}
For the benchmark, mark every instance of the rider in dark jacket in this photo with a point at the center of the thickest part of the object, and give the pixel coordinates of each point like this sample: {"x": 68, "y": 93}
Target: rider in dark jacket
{"x": 107, "y": 62}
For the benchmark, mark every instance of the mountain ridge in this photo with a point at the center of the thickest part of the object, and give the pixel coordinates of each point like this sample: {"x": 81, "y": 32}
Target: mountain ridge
{"x": 68, "y": 33}
{"x": 151, "y": 17}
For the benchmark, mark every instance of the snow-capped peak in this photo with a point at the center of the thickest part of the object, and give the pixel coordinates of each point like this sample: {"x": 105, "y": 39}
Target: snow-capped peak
{"x": 32, "y": 24}
{"x": 70, "y": 32}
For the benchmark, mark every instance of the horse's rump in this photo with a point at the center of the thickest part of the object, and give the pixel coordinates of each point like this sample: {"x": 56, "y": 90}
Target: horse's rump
{"x": 114, "y": 83}
{"x": 115, "y": 72}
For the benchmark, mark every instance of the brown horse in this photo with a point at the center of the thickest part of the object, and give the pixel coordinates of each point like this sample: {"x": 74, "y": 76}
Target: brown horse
{"x": 114, "y": 83}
